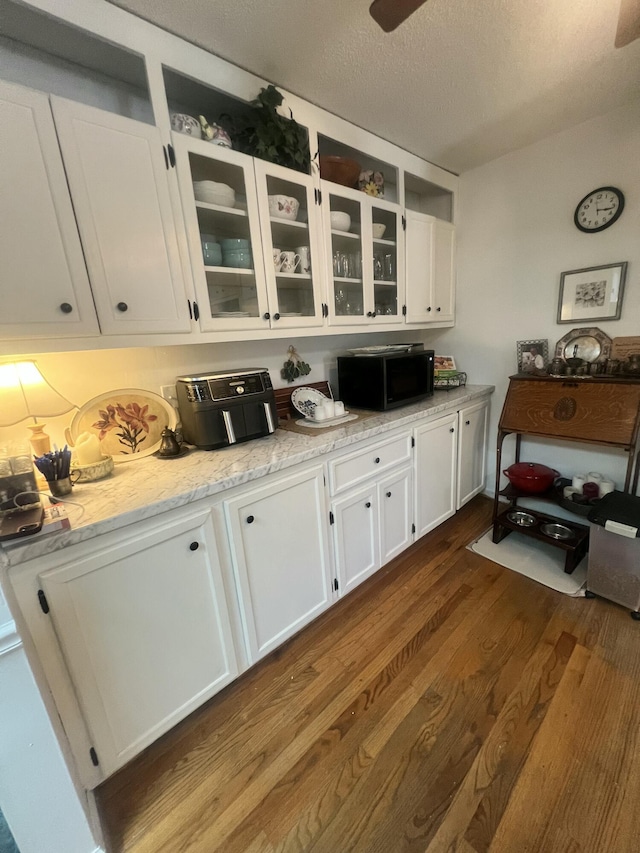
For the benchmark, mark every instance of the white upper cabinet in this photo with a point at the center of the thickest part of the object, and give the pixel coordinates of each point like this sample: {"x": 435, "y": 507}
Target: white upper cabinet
{"x": 364, "y": 257}
{"x": 118, "y": 179}
{"x": 44, "y": 289}
{"x": 430, "y": 245}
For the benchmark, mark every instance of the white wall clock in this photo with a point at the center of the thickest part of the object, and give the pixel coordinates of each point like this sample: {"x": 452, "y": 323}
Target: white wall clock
{"x": 599, "y": 209}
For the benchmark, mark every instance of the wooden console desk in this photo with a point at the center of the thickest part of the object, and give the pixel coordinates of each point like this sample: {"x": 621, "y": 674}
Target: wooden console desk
{"x": 591, "y": 410}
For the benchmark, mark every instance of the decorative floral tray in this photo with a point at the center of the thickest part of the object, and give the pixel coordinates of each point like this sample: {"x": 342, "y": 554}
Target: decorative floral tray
{"x": 128, "y": 422}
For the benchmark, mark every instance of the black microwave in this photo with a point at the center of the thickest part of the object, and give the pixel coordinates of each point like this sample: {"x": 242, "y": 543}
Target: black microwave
{"x": 385, "y": 380}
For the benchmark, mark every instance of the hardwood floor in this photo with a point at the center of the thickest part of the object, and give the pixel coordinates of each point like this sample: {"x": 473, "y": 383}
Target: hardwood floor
{"x": 448, "y": 704}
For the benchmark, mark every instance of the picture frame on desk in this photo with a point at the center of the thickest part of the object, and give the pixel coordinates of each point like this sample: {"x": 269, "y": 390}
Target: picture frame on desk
{"x": 533, "y": 356}
{"x": 593, "y": 293}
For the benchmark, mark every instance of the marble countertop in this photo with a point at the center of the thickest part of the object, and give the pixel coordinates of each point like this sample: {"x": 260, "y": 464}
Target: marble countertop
{"x": 150, "y": 486}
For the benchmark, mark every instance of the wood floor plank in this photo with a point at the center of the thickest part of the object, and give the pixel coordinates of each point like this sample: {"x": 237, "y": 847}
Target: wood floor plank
{"x": 426, "y": 711}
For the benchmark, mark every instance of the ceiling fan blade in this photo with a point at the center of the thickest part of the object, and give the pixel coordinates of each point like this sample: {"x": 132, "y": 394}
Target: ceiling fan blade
{"x": 628, "y": 22}
{"x": 391, "y": 13}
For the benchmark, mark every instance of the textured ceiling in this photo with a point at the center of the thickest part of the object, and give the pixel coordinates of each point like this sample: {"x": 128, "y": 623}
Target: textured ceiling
{"x": 460, "y": 83}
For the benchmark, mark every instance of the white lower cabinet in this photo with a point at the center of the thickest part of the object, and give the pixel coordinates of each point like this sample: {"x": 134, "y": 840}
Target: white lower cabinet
{"x": 280, "y": 551}
{"x": 472, "y": 450}
{"x": 395, "y": 502}
{"x": 144, "y": 632}
{"x": 356, "y": 537}
{"x": 435, "y": 472}
{"x": 373, "y": 520}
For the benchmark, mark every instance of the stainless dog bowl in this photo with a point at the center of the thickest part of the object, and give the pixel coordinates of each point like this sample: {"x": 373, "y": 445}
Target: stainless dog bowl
{"x": 522, "y": 519}
{"x": 557, "y": 531}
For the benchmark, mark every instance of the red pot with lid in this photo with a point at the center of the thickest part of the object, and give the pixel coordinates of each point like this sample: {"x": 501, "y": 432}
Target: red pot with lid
{"x": 531, "y": 477}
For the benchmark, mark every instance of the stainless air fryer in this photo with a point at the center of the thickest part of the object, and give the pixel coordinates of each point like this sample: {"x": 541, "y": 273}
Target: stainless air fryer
{"x": 218, "y": 409}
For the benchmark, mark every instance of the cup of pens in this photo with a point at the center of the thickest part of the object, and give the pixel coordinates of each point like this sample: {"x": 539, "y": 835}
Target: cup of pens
{"x": 55, "y": 467}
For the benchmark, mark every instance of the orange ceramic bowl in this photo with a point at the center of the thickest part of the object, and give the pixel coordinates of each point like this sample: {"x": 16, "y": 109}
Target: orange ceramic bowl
{"x": 340, "y": 170}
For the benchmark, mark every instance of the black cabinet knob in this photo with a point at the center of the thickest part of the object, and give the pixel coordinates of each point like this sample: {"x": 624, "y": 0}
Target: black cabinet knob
{"x": 438, "y": 308}
{"x": 368, "y": 504}
{"x": 250, "y": 519}
{"x": 122, "y": 306}
{"x": 266, "y": 315}
{"x": 452, "y": 429}
{"x": 371, "y": 313}
{"x": 467, "y": 422}
{"x": 276, "y": 316}
{"x": 66, "y": 308}
{"x": 388, "y": 494}
{"x": 377, "y": 460}
{"x": 194, "y": 546}
{"x": 429, "y": 309}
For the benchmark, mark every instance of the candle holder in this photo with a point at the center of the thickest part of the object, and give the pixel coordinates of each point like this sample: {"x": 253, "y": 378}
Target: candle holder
{"x": 92, "y": 471}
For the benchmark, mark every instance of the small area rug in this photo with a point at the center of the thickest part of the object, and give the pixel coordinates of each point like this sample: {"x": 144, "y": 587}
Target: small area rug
{"x": 536, "y": 560}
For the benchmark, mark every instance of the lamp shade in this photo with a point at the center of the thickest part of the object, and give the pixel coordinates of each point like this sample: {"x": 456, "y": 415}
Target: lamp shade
{"x": 24, "y": 393}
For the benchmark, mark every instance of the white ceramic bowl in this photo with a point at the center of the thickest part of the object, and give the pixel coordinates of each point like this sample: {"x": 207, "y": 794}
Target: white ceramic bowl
{"x": 340, "y": 221}
{"x": 283, "y": 207}
{"x": 378, "y": 230}
{"x": 214, "y": 193}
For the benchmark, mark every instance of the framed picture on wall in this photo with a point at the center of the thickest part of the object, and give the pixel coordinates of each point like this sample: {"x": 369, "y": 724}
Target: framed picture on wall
{"x": 594, "y": 293}
{"x": 533, "y": 356}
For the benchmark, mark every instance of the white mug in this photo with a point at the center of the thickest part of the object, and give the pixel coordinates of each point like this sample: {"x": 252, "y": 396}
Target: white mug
{"x": 277, "y": 259}
{"x": 290, "y": 260}
{"x": 305, "y": 259}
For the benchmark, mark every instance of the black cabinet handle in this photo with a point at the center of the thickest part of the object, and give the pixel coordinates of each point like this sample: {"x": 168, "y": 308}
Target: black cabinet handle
{"x": 194, "y": 546}
{"x": 438, "y": 308}
{"x": 250, "y": 519}
{"x": 371, "y": 313}
{"x": 122, "y": 306}
{"x": 429, "y": 309}
{"x": 368, "y": 504}
{"x": 377, "y": 459}
{"x": 452, "y": 429}
{"x": 266, "y": 315}
{"x": 388, "y": 494}
{"x": 467, "y": 422}
{"x": 66, "y": 308}
{"x": 276, "y": 316}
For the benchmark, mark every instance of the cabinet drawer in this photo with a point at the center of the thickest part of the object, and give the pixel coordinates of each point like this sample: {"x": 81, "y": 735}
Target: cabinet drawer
{"x": 349, "y": 470}
{"x": 578, "y": 410}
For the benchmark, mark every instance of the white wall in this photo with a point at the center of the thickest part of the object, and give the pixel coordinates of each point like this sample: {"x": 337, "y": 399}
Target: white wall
{"x": 83, "y": 375}
{"x": 516, "y": 235}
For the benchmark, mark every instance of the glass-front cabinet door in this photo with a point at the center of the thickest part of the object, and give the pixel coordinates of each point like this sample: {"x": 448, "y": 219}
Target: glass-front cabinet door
{"x": 222, "y": 217}
{"x": 365, "y": 257}
{"x": 292, "y": 245}
{"x": 346, "y": 234}
{"x": 387, "y": 259}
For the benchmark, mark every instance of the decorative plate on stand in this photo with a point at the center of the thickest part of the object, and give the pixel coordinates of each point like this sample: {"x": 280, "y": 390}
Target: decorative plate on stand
{"x": 128, "y": 422}
{"x": 305, "y": 400}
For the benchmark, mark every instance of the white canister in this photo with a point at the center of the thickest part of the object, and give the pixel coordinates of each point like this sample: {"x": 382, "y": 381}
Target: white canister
{"x": 338, "y": 408}
{"x": 328, "y": 407}
{"x": 87, "y": 449}
{"x": 569, "y": 491}
{"x": 605, "y": 487}
{"x": 594, "y": 477}
{"x": 578, "y": 482}
{"x": 319, "y": 413}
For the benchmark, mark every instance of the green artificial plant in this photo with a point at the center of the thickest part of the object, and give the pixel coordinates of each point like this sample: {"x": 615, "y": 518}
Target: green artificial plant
{"x": 267, "y": 134}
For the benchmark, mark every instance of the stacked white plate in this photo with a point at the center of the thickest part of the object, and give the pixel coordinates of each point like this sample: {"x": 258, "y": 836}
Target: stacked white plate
{"x": 214, "y": 193}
